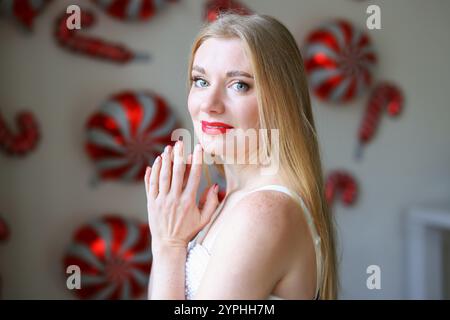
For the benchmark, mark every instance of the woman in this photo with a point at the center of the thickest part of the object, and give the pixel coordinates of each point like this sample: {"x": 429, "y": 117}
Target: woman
{"x": 272, "y": 235}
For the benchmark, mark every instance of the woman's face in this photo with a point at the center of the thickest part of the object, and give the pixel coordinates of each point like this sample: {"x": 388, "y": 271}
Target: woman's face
{"x": 223, "y": 90}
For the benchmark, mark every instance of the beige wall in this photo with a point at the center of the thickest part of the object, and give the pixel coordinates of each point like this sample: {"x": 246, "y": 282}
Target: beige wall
{"x": 46, "y": 195}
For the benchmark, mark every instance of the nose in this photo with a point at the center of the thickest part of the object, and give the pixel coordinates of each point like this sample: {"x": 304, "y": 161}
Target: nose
{"x": 213, "y": 101}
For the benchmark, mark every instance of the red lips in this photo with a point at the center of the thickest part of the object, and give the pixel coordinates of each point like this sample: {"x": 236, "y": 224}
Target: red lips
{"x": 215, "y": 127}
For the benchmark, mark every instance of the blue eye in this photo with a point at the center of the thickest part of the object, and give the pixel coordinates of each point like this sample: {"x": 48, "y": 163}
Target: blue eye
{"x": 242, "y": 84}
{"x": 195, "y": 79}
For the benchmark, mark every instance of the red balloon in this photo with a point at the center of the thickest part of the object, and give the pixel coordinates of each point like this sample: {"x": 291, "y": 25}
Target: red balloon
{"x": 214, "y": 7}
{"x": 23, "y": 10}
{"x": 141, "y": 10}
{"x": 114, "y": 256}
{"x": 385, "y": 96}
{"x": 25, "y": 140}
{"x": 91, "y": 46}
{"x": 343, "y": 182}
{"x": 127, "y": 134}
{"x": 339, "y": 61}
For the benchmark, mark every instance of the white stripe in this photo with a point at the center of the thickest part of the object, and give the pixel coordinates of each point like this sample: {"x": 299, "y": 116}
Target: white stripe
{"x": 104, "y": 139}
{"x": 115, "y": 110}
{"x": 166, "y": 129}
{"x": 133, "y": 8}
{"x": 338, "y": 92}
{"x": 335, "y": 29}
{"x": 148, "y": 104}
{"x": 131, "y": 237}
{"x": 85, "y": 254}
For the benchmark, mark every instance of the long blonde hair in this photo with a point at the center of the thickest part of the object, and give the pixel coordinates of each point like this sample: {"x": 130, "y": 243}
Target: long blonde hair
{"x": 283, "y": 104}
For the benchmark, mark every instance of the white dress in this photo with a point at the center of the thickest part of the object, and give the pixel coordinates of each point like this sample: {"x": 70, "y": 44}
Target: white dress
{"x": 198, "y": 254}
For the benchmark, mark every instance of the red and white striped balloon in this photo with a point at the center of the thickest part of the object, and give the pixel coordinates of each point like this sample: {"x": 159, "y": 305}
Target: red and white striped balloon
{"x": 126, "y": 10}
{"x": 23, "y": 10}
{"x": 114, "y": 256}
{"x": 128, "y": 132}
{"x": 339, "y": 60}
{"x": 214, "y": 7}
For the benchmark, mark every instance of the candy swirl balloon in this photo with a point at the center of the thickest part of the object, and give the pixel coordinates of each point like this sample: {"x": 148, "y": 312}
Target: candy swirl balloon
{"x": 339, "y": 60}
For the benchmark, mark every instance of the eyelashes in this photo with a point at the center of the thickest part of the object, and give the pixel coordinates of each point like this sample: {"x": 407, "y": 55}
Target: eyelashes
{"x": 195, "y": 79}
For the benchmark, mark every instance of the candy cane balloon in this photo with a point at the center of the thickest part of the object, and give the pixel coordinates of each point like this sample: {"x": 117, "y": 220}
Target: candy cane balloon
{"x": 133, "y": 10}
{"x": 25, "y": 140}
{"x": 341, "y": 181}
{"x": 91, "y": 46}
{"x": 385, "y": 96}
{"x": 23, "y": 10}
{"x": 214, "y": 7}
{"x": 114, "y": 255}
{"x": 339, "y": 61}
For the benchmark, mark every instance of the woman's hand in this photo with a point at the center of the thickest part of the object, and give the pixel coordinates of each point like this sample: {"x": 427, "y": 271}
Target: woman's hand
{"x": 173, "y": 215}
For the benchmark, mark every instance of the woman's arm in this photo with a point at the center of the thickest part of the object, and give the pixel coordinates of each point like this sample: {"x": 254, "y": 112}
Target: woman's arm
{"x": 167, "y": 278}
{"x": 174, "y": 218}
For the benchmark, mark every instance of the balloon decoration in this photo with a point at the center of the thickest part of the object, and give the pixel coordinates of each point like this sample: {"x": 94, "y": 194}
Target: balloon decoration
{"x": 25, "y": 140}
{"x": 114, "y": 257}
{"x": 24, "y": 11}
{"x": 385, "y": 96}
{"x": 128, "y": 132}
{"x": 339, "y": 61}
{"x": 4, "y": 230}
{"x": 214, "y": 7}
{"x": 137, "y": 10}
{"x": 343, "y": 182}
{"x": 92, "y": 46}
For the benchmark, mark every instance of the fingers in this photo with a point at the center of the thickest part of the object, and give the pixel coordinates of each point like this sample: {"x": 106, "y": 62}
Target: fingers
{"x": 204, "y": 197}
{"x": 166, "y": 168}
{"x": 178, "y": 168}
{"x": 195, "y": 172}
{"x": 210, "y": 205}
{"x": 148, "y": 170}
{"x": 187, "y": 171}
{"x": 154, "y": 178}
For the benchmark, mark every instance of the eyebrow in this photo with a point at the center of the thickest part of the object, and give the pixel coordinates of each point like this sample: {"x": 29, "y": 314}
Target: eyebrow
{"x": 229, "y": 74}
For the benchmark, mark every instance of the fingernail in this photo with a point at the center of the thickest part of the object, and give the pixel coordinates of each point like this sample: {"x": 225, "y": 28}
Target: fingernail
{"x": 216, "y": 188}
{"x": 158, "y": 158}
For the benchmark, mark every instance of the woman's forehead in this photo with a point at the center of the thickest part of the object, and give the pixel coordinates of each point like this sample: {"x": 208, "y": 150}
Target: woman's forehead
{"x": 217, "y": 54}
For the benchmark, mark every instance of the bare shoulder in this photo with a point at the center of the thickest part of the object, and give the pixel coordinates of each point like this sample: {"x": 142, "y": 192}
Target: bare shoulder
{"x": 255, "y": 247}
{"x": 268, "y": 211}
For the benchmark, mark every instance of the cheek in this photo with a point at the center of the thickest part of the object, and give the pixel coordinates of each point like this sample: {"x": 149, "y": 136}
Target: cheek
{"x": 249, "y": 114}
{"x": 191, "y": 105}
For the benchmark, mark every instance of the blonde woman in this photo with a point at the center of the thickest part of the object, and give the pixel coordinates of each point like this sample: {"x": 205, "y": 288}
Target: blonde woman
{"x": 272, "y": 235}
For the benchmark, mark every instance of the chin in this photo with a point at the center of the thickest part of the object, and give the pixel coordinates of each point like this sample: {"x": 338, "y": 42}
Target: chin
{"x": 211, "y": 144}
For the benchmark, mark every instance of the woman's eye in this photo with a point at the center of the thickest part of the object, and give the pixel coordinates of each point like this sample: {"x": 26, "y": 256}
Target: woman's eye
{"x": 198, "y": 81}
{"x": 241, "y": 86}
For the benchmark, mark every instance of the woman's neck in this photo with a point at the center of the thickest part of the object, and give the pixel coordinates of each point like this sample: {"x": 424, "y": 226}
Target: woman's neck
{"x": 241, "y": 177}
